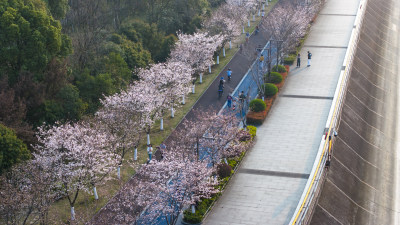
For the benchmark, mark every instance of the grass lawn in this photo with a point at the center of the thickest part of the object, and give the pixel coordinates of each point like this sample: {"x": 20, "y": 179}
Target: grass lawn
{"x": 86, "y": 206}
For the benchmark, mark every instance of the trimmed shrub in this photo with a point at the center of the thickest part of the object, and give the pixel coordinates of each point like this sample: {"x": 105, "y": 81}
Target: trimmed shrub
{"x": 232, "y": 163}
{"x": 224, "y": 170}
{"x": 256, "y": 118}
{"x": 279, "y": 69}
{"x": 270, "y": 89}
{"x": 289, "y": 60}
{"x": 275, "y": 78}
{"x": 257, "y": 105}
{"x": 189, "y": 217}
{"x": 252, "y": 130}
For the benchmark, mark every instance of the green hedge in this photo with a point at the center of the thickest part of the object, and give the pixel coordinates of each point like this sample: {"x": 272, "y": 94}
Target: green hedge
{"x": 257, "y": 105}
{"x": 270, "y": 89}
{"x": 275, "y": 78}
{"x": 289, "y": 60}
{"x": 252, "y": 130}
{"x": 280, "y": 69}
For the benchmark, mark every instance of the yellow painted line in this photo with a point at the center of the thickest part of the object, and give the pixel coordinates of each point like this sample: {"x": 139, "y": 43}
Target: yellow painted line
{"x": 329, "y": 131}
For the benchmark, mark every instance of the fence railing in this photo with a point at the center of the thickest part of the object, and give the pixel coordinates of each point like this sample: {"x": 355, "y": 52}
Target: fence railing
{"x": 248, "y": 84}
{"x": 304, "y": 210}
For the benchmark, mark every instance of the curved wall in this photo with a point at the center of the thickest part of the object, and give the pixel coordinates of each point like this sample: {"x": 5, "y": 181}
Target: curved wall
{"x": 360, "y": 185}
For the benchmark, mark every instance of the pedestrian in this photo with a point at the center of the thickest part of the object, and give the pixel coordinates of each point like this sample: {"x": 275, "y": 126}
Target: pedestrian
{"x": 229, "y": 73}
{"x": 261, "y": 61}
{"x": 229, "y": 100}
{"x": 242, "y": 97}
{"x": 162, "y": 150}
{"x": 150, "y": 151}
{"x": 262, "y": 14}
{"x": 163, "y": 146}
{"x": 309, "y": 58}
{"x": 247, "y": 36}
{"x": 298, "y": 60}
{"x": 257, "y": 29}
{"x": 328, "y": 162}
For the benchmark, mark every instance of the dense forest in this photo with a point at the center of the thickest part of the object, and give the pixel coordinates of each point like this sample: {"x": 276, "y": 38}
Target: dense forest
{"x": 59, "y": 57}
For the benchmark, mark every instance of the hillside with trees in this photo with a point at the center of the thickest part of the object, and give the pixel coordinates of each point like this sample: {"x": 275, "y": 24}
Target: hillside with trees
{"x": 59, "y": 58}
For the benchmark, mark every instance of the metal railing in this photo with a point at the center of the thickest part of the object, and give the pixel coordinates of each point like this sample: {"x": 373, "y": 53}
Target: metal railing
{"x": 305, "y": 207}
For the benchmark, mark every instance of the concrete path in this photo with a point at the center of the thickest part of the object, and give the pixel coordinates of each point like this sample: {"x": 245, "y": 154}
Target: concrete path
{"x": 273, "y": 175}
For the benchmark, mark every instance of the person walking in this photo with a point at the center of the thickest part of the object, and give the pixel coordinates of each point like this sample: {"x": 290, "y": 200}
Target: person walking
{"x": 298, "y": 60}
{"x": 242, "y": 97}
{"x": 309, "y": 58}
{"x": 150, "y": 151}
{"x": 163, "y": 146}
{"x": 229, "y": 100}
{"x": 261, "y": 61}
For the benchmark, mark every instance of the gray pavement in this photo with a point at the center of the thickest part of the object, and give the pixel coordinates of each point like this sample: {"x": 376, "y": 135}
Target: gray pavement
{"x": 273, "y": 175}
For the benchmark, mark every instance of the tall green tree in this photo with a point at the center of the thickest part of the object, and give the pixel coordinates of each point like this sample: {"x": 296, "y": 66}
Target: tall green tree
{"x": 12, "y": 149}
{"x": 58, "y": 8}
{"x": 151, "y": 38}
{"x": 30, "y": 38}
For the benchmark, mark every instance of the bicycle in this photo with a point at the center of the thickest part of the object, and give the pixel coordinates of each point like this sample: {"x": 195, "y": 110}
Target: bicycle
{"x": 220, "y": 90}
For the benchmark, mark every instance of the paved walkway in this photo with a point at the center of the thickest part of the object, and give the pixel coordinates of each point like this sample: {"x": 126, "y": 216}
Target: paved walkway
{"x": 273, "y": 175}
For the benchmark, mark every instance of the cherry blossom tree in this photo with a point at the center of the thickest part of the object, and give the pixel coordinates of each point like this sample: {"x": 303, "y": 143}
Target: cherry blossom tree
{"x": 244, "y": 7}
{"x": 161, "y": 189}
{"x": 169, "y": 185}
{"x": 124, "y": 117}
{"x": 288, "y": 22}
{"x": 78, "y": 155}
{"x": 226, "y": 20}
{"x": 196, "y": 50}
{"x": 171, "y": 79}
{"x": 209, "y": 136}
{"x": 26, "y": 193}
{"x": 221, "y": 137}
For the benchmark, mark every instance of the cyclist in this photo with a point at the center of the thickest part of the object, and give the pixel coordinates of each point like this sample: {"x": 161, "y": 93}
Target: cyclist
{"x": 221, "y": 82}
{"x": 229, "y": 73}
{"x": 221, "y": 87}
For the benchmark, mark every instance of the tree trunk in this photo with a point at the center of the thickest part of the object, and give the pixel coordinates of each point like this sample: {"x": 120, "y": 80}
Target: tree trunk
{"x": 223, "y": 51}
{"x": 148, "y": 138}
{"x": 96, "y": 197}
{"x": 226, "y": 161}
{"x": 161, "y": 124}
{"x": 248, "y": 22}
{"x": 119, "y": 172}
{"x": 193, "y": 209}
{"x": 183, "y": 99}
{"x": 193, "y": 89}
{"x": 230, "y": 44}
{"x": 217, "y": 59}
{"x": 201, "y": 78}
{"x": 72, "y": 213}
{"x": 135, "y": 154}
{"x": 209, "y": 69}
{"x": 172, "y": 112}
